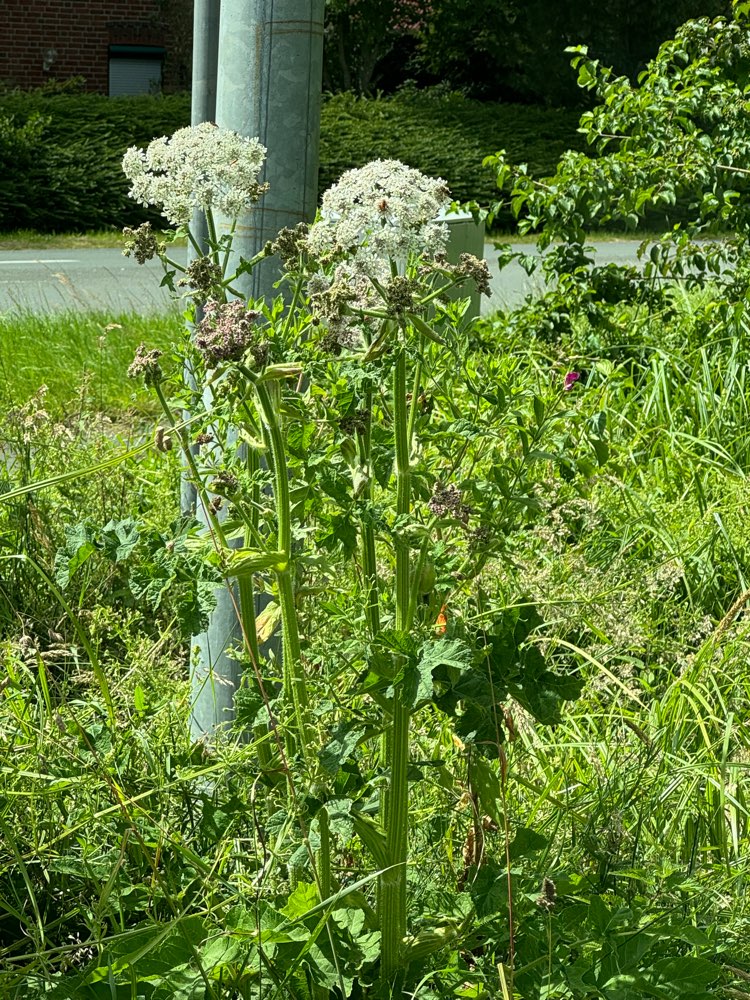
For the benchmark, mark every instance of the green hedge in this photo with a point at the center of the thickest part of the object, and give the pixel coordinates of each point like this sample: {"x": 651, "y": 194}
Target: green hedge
{"x": 444, "y": 135}
{"x": 60, "y": 154}
{"x": 60, "y": 157}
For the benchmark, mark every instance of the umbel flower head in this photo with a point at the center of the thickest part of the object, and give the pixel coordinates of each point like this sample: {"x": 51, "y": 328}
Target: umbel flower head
{"x": 375, "y": 216}
{"x": 203, "y": 166}
{"x": 384, "y": 210}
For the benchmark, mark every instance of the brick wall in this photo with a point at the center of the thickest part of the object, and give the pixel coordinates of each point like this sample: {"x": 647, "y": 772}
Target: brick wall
{"x": 43, "y": 40}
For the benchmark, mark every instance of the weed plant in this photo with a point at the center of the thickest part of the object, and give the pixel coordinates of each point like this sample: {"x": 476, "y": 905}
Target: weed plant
{"x": 624, "y": 829}
{"x": 502, "y": 750}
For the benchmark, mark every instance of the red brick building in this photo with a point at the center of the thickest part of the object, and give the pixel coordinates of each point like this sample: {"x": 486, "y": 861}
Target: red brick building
{"x": 117, "y": 46}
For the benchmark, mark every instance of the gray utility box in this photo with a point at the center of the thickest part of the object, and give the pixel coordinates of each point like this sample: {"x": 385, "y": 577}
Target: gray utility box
{"x": 464, "y": 236}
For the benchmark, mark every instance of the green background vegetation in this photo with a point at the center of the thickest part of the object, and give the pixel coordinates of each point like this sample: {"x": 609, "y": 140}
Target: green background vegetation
{"x": 70, "y": 147}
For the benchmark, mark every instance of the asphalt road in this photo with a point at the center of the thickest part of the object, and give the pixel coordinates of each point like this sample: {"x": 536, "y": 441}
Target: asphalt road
{"x": 98, "y": 279}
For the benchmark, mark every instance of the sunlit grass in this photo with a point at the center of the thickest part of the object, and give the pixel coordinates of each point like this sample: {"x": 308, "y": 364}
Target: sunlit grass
{"x": 29, "y": 239}
{"x": 62, "y": 350}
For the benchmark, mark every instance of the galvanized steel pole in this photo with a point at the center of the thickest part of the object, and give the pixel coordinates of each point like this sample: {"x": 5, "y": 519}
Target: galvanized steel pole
{"x": 268, "y": 85}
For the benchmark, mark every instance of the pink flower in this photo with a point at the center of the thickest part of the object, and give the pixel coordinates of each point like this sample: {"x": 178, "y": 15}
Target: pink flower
{"x": 570, "y": 380}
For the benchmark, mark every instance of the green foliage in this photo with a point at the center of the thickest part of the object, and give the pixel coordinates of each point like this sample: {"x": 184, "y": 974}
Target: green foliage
{"x": 513, "y": 608}
{"x": 65, "y": 350}
{"x": 677, "y": 137}
{"x": 443, "y": 135}
{"x": 519, "y": 49}
{"x": 70, "y": 146}
{"x": 68, "y": 176}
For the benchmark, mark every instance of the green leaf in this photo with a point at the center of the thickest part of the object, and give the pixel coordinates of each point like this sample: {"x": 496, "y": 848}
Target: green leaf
{"x": 120, "y": 538}
{"x": 302, "y": 899}
{"x": 526, "y": 842}
{"x": 340, "y": 747}
{"x": 489, "y": 891}
{"x": 487, "y": 786}
{"x": 683, "y": 975}
{"x": 373, "y": 837}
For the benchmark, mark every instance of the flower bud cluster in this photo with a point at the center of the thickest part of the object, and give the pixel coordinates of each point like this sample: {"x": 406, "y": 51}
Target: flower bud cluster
{"x": 290, "y": 242}
{"x": 201, "y": 167}
{"x": 399, "y": 295}
{"x": 203, "y": 275}
{"x": 227, "y": 333}
{"x": 447, "y": 501}
{"x": 145, "y": 364}
{"x": 142, "y": 243}
{"x": 337, "y": 298}
{"x": 477, "y": 270}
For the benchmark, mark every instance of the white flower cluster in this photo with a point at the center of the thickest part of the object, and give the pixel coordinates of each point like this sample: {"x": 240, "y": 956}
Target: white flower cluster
{"x": 203, "y": 166}
{"x": 384, "y": 211}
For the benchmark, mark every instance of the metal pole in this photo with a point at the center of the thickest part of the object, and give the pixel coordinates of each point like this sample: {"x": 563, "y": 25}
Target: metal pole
{"x": 213, "y": 676}
{"x": 202, "y": 109}
{"x": 269, "y": 86}
{"x": 269, "y": 77}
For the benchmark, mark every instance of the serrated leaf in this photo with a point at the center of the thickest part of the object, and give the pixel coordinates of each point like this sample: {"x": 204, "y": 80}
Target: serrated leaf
{"x": 340, "y": 747}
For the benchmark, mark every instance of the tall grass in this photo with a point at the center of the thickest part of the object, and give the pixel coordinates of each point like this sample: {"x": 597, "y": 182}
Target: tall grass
{"x": 61, "y": 350}
{"x": 127, "y": 844}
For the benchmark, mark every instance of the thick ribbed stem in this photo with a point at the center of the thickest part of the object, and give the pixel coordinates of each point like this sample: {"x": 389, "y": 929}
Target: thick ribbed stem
{"x": 246, "y": 585}
{"x": 324, "y": 855}
{"x": 295, "y": 686}
{"x": 367, "y": 531}
{"x": 392, "y": 894}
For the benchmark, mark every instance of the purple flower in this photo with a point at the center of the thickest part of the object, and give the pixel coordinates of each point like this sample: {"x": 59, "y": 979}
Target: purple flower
{"x": 570, "y": 380}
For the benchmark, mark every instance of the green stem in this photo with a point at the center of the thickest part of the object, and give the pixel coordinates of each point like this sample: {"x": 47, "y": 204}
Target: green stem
{"x": 295, "y": 686}
{"x": 174, "y": 264}
{"x": 246, "y": 585}
{"x": 213, "y": 241}
{"x": 392, "y": 888}
{"x": 416, "y": 389}
{"x": 324, "y": 855}
{"x": 195, "y": 244}
{"x": 179, "y": 430}
{"x": 403, "y": 489}
{"x": 416, "y": 577}
{"x": 227, "y": 252}
{"x": 291, "y": 315}
{"x": 367, "y": 531}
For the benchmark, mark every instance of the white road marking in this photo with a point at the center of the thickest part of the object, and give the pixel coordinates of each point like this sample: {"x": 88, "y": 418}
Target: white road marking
{"x": 46, "y": 260}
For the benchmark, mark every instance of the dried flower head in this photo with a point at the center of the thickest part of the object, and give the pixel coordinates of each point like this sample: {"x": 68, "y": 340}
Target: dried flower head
{"x": 548, "y": 896}
{"x": 31, "y": 417}
{"x": 201, "y": 167}
{"x": 141, "y": 243}
{"x": 226, "y": 331}
{"x": 145, "y": 364}
{"x": 446, "y": 501}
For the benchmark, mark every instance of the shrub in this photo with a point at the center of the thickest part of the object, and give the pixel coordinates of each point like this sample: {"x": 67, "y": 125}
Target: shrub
{"x": 60, "y": 153}
{"x": 69, "y": 177}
